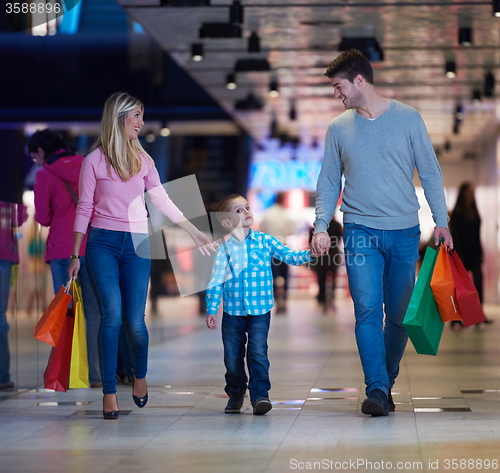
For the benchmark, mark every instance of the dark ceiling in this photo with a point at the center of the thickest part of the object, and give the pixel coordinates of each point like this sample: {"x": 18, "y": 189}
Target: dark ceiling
{"x": 410, "y": 43}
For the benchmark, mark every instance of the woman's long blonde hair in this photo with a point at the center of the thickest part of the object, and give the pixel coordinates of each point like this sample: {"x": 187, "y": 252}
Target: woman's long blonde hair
{"x": 122, "y": 154}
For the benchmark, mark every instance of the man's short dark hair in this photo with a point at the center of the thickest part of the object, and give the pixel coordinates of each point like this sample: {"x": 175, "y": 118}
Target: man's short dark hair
{"x": 349, "y": 64}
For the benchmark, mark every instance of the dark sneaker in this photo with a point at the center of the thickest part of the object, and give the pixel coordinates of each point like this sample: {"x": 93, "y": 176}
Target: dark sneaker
{"x": 234, "y": 404}
{"x": 376, "y": 404}
{"x": 262, "y": 406}
{"x": 390, "y": 401}
{"x": 7, "y": 385}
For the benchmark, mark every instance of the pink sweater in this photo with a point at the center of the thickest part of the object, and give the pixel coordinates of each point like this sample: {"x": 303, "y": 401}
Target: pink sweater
{"x": 55, "y": 207}
{"x": 117, "y": 205}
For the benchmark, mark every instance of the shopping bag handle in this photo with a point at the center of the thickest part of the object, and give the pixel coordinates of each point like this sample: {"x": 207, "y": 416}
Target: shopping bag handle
{"x": 67, "y": 286}
{"x": 441, "y": 243}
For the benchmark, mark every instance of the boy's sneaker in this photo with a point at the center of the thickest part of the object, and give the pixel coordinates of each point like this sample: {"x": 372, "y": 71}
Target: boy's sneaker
{"x": 262, "y": 406}
{"x": 376, "y": 404}
{"x": 234, "y": 404}
{"x": 390, "y": 401}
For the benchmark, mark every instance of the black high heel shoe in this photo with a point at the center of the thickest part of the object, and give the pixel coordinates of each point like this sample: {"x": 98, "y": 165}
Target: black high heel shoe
{"x": 139, "y": 401}
{"x": 109, "y": 414}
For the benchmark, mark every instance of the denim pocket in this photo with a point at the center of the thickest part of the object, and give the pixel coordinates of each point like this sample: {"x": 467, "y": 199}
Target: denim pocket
{"x": 97, "y": 231}
{"x": 413, "y": 231}
{"x": 95, "y": 234}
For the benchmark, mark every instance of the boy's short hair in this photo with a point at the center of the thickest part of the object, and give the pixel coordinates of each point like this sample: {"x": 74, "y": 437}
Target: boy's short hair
{"x": 349, "y": 64}
{"x": 225, "y": 205}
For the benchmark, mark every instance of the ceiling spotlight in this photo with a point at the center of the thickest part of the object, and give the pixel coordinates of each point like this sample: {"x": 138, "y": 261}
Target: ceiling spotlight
{"x": 370, "y": 47}
{"x": 274, "y": 128}
{"x": 254, "y": 43}
{"x": 220, "y": 30}
{"x": 459, "y": 112}
{"x": 489, "y": 85}
{"x": 197, "y": 52}
{"x": 458, "y": 118}
{"x": 165, "y": 131}
{"x": 273, "y": 87}
{"x": 451, "y": 69}
{"x": 236, "y": 12}
{"x": 465, "y": 36}
{"x": 247, "y": 65}
{"x": 476, "y": 96}
{"x": 293, "y": 110}
{"x": 250, "y": 102}
{"x": 231, "y": 82}
{"x": 184, "y": 3}
{"x": 496, "y": 8}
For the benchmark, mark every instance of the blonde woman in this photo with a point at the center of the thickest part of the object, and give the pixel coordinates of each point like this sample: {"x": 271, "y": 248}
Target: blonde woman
{"x": 116, "y": 172}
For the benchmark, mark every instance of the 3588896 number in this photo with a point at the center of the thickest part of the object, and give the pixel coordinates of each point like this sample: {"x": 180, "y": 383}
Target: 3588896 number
{"x": 471, "y": 464}
{"x": 33, "y": 7}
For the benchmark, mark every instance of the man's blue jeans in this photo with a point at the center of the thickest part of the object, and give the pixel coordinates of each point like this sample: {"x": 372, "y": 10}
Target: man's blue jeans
{"x": 59, "y": 268}
{"x": 5, "y": 275}
{"x": 234, "y": 338}
{"x": 120, "y": 276}
{"x": 381, "y": 267}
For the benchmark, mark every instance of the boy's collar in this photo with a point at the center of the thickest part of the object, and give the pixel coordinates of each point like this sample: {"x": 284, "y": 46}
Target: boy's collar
{"x": 251, "y": 236}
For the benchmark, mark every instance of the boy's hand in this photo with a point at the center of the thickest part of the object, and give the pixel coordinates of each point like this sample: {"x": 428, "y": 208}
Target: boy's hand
{"x": 212, "y": 321}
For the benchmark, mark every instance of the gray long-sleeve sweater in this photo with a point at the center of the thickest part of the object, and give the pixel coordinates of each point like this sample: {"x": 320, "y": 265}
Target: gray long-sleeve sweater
{"x": 378, "y": 159}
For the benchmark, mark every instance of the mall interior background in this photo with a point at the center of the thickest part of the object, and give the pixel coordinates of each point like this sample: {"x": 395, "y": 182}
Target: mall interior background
{"x": 58, "y": 75}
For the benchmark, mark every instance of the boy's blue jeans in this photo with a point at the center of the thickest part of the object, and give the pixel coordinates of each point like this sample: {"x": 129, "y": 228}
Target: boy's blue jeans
{"x": 234, "y": 337}
{"x": 381, "y": 267}
{"x": 120, "y": 275}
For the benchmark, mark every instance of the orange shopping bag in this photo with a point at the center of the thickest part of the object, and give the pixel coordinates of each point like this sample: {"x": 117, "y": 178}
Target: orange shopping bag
{"x": 49, "y": 327}
{"x": 443, "y": 288}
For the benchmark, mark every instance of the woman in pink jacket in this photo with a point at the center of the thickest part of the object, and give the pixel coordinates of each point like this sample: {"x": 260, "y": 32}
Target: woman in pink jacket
{"x": 113, "y": 180}
{"x": 56, "y": 188}
{"x": 11, "y": 217}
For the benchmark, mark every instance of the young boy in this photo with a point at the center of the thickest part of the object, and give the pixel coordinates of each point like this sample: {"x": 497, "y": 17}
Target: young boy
{"x": 242, "y": 276}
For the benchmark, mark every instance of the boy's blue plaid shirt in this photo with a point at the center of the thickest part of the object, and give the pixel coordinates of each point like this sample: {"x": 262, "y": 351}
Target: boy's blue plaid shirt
{"x": 242, "y": 273}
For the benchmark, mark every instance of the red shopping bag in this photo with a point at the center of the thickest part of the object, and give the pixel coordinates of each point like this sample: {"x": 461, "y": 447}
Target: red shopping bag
{"x": 49, "y": 327}
{"x": 56, "y": 375}
{"x": 443, "y": 288}
{"x": 467, "y": 296}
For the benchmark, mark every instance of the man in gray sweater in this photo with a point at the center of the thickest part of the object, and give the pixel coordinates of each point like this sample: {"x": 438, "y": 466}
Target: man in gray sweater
{"x": 376, "y": 145}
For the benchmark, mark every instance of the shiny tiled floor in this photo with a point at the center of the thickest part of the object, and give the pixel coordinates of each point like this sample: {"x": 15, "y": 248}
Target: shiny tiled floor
{"x": 448, "y": 407}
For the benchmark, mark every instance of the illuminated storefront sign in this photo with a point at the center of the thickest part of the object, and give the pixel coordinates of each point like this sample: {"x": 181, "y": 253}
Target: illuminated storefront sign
{"x": 283, "y": 175}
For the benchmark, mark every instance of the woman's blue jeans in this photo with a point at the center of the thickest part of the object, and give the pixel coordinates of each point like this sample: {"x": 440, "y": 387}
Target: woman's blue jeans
{"x": 59, "y": 268}
{"x": 120, "y": 275}
{"x": 381, "y": 267}
{"x": 234, "y": 338}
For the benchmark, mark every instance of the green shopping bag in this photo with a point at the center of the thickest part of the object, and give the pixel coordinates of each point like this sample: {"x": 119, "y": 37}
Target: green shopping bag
{"x": 422, "y": 321}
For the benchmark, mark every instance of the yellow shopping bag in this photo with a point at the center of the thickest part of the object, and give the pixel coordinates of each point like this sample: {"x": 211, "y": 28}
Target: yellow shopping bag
{"x": 79, "y": 367}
